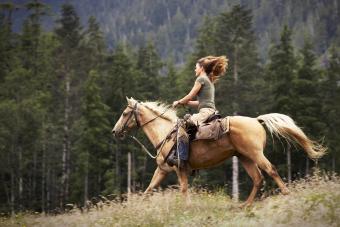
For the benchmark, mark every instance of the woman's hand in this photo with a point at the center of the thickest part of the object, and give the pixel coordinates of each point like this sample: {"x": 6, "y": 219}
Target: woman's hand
{"x": 175, "y": 104}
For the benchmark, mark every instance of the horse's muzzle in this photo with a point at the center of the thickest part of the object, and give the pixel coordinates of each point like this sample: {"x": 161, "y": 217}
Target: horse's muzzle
{"x": 118, "y": 134}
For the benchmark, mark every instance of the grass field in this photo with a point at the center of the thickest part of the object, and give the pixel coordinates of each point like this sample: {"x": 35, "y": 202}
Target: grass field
{"x": 314, "y": 201}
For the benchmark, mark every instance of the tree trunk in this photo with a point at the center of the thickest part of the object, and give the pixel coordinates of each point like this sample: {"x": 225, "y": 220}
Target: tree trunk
{"x": 144, "y": 170}
{"x": 133, "y": 170}
{"x": 48, "y": 187}
{"x": 333, "y": 163}
{"x": 34, "y": 183}
{"x": 20, "y": 189}
{"x": 235, "y": 190}
{"x": 307, "y": 166}
{"x": 289, "y": 165}
{"x": 66, "y": 144}
{"x": 86, "y": 188}
{"x": 12, "y": 192}
{"x": 12, "y": 187}
{"x": 43, "y": 175}
{"x": 5, "y": 187}
{"x": 86, "y": 180}
{"x": 129, "y": 174}
{"x": 118, "y": 178}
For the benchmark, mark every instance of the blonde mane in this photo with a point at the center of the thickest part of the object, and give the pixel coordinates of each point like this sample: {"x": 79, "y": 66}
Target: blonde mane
{"x": 161, "y": 108}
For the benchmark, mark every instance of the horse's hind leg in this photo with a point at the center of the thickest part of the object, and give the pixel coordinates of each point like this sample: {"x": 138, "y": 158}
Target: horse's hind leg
{"x": 255, "y": 174}
{"x": 265, "y": 165}
{"x": 157, "y": 178}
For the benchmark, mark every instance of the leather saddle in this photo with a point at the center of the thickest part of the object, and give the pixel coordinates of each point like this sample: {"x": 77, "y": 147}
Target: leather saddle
{"x": 211, "y": 129}
{"x": 212, "y": 117}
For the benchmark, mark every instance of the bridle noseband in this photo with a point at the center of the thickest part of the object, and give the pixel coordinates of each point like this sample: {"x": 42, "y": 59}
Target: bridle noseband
{"x": 132, "y": 113}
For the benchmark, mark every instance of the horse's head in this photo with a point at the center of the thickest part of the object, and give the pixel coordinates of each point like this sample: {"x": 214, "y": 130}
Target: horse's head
{"x": 127, "y": 120}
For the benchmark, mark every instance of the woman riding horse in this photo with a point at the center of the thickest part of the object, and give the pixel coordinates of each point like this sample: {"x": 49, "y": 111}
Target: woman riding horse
{"x": 207, "y": 71}
{"x": 246, "y": 138}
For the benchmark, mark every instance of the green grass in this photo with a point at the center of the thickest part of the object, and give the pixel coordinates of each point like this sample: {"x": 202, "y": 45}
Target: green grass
{"x": 314, "y": 201}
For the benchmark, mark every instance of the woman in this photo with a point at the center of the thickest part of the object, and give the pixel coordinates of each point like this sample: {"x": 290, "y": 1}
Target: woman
{"x": 208, "y": 70}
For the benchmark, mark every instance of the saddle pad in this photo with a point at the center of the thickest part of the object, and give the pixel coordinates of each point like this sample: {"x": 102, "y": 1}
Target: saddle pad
{"x": 225, "y": 124}
{"x": 213, "y": 130}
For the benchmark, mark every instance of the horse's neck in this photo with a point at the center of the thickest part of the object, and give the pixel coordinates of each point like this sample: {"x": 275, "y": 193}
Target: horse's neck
{"x": 157, "y": 130}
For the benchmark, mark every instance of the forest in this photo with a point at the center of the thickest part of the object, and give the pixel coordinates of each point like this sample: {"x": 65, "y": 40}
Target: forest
{"x": 64, "y": 86}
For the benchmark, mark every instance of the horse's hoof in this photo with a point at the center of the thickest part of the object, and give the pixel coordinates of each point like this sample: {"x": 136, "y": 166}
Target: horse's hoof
{"x": 285, "y": 191}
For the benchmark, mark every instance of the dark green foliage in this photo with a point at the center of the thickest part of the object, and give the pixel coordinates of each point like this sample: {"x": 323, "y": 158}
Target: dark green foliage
{"x": 330, "y": 106}
{"x": 307, "y": 92}
{"x": 282, "y": 70}
{"x": 281, "y": 73}
{"x": 148, "y": 66}
{"x": 69, "y": 29}
{"x": 174, "y": 25}
{"x": 92, "y": 145}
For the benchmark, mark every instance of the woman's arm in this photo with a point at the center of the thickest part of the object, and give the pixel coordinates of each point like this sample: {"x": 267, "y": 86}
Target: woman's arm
{"x": 193, "y": 103}
{"x": 195, "y": 89}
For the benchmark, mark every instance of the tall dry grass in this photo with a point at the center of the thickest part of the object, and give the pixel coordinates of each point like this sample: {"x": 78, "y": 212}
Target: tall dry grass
{"x": 314, "y": 201}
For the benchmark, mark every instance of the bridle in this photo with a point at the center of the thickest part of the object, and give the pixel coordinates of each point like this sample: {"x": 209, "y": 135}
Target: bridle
{"x": 134, "y": 113}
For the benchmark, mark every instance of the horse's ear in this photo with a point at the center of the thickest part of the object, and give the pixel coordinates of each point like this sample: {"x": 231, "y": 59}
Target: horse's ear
{"x": 127, "y": 99}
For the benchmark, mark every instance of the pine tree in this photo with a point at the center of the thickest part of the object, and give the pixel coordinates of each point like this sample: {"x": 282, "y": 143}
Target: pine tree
{"x": 307, "y": 95}
{"x": 94, "y": 47}
{"x": 169, "y": 86}
{"x": 119, "y": 83}
{"x": 331, "y": 106}
{"x": 69, "y": 35}
{"x": 92, "y": 146}
{"x": 18, "y": 107}
{"x": 238, "y": 91}
{"x": 282, "y": 72}
{"x": 149, "y": 65}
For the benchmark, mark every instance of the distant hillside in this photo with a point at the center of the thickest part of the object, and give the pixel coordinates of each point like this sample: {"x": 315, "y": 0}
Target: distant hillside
{"x": 312, "y": 202}
{"x": 173, "y": 25}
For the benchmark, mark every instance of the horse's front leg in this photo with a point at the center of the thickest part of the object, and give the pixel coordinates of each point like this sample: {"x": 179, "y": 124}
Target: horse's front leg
{"x": 182, "y": 175}
{"x": 157, "y": 178}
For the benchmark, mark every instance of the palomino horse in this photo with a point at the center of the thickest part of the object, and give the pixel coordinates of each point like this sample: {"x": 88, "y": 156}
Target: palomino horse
{"x": 246, "y": 139}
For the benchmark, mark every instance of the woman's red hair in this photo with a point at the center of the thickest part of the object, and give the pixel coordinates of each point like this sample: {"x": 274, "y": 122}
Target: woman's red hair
{"x": 214, "y": 66}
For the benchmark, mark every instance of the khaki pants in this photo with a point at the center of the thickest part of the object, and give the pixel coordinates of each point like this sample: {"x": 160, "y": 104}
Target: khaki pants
{"x": 201, "y": 116}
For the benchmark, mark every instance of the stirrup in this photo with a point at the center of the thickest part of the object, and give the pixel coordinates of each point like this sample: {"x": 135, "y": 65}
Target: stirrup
{"x": 172, "y": 160}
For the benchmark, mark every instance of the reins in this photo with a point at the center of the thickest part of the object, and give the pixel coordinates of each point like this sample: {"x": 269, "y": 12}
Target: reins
{"x": 146, "y": 150}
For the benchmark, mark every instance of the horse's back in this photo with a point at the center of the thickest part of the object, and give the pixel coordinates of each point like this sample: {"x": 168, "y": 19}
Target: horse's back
{"x": 247, "y": 133}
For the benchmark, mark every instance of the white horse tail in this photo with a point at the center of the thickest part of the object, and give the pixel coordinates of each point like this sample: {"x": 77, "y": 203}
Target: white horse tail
{"x": 282, "y": 125}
